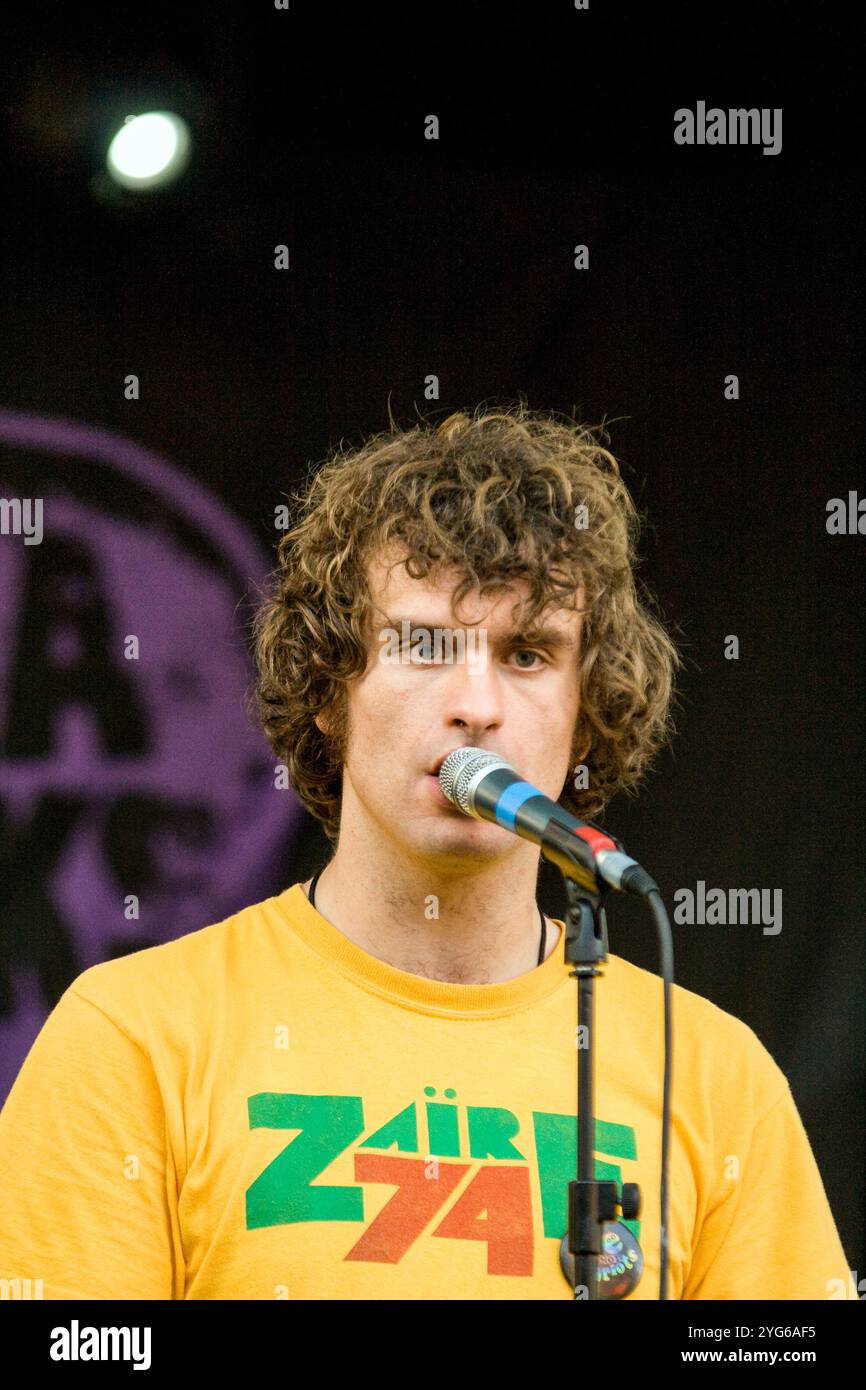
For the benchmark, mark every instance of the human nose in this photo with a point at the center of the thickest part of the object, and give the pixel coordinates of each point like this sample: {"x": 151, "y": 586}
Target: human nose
{"x": 473, "y": 694}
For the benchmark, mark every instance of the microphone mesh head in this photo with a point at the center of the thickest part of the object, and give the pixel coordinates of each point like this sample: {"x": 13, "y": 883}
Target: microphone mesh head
{"x": 458, "y": 770}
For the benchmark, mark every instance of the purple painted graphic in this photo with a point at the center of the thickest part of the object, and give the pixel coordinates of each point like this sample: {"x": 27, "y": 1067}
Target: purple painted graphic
{"x": 132, "y": 778}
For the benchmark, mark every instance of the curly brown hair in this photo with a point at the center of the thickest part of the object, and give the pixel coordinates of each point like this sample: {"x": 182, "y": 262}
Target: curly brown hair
{"x": 492, "y": 495}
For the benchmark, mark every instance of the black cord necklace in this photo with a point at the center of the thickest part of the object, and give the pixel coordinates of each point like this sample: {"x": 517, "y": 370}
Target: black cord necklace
{"x": 312, "y": 897}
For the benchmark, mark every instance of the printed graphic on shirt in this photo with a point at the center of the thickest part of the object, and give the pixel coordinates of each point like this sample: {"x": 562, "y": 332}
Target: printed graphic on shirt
{"x": 418, "y": 1152}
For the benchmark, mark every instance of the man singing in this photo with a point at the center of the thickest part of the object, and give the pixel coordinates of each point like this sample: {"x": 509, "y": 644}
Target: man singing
{"x": 364, "y": 1087}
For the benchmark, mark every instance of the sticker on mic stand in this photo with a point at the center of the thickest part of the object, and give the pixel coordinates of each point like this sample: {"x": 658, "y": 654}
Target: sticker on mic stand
{"x": 620, "y": 1263}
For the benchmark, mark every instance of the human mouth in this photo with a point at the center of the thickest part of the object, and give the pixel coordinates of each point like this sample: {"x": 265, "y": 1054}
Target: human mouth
{"x": 436, "y": 785}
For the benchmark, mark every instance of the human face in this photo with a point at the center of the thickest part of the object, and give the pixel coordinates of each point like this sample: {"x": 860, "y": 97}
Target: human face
{"x": 508, "y": 695}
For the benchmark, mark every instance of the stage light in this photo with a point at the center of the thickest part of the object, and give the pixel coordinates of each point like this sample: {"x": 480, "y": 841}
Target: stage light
{"x": 149, "y": 150}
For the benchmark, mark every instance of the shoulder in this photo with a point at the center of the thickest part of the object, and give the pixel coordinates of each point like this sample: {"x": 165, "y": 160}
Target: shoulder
{"x": 165, "y": 984}
{"x": 715, "y": 1053}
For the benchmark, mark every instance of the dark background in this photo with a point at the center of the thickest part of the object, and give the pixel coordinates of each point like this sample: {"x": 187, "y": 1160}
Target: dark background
{"x": 455, "y": 257}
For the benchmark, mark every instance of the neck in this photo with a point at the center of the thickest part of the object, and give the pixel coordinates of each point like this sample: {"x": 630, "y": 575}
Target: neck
{"x": 465, "y": 925}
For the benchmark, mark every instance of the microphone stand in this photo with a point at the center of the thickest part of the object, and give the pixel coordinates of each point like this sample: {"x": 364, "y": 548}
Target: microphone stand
{"x": 590, "y": 1203}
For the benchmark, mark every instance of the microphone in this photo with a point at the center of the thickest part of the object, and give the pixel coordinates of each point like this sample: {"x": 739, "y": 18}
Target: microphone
{"x": 483, "y": 785}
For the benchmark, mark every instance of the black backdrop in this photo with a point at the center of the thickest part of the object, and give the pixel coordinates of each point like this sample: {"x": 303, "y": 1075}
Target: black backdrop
{"x": 454, "y": 257}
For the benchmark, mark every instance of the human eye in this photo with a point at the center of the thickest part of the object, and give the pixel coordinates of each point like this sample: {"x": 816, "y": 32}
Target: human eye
{"x": 531, "y": 652}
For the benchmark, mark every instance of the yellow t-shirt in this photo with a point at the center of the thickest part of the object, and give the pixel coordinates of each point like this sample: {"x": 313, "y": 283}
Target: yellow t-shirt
{"x": 262, "y": 1110}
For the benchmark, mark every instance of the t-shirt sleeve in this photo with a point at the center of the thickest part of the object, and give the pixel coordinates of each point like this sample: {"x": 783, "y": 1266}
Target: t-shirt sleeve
{"x": 88, "y": 1189}
{"x": 769, "y": 1232}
